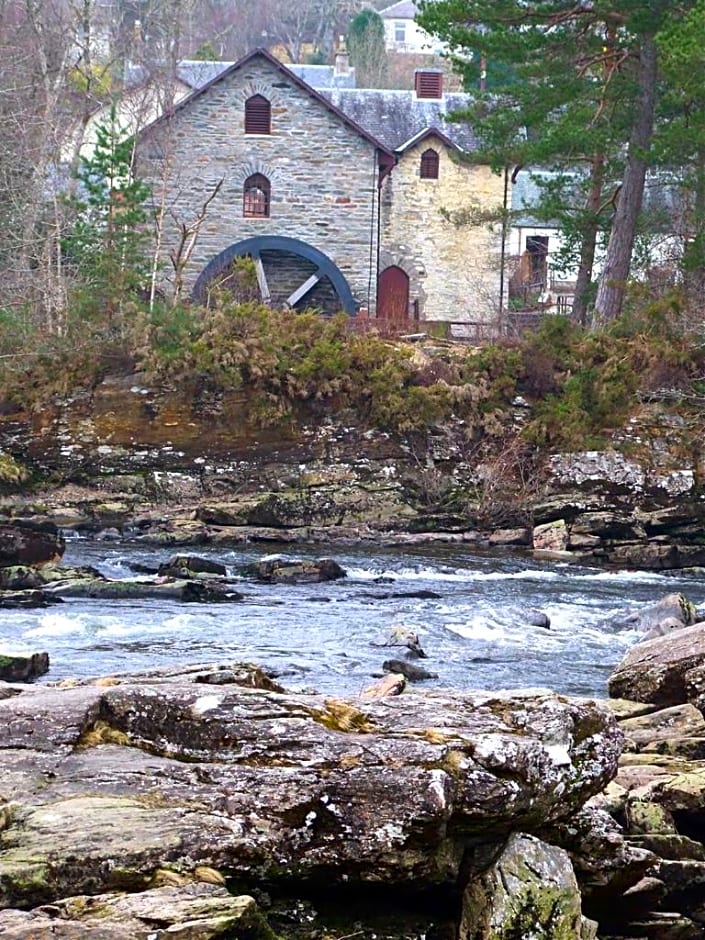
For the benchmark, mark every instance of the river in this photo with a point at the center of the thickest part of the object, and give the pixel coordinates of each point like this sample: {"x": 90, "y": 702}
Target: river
{"x": 472, "y": 623}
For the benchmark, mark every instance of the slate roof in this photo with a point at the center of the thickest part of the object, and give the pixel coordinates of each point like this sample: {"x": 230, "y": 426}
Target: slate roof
{"x": 323, "y": 76}
{"x": 661, "y": 199}
{"x": 403, "y": 10}
{"x": 526, "y": 192}
{"x": 197, "y": 73}
{"x": 394, "y": 117}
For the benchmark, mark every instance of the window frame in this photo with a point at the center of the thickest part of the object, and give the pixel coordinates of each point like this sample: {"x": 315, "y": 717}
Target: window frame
{"x": 429, "y": 165}
{"x": 256, "y": 196}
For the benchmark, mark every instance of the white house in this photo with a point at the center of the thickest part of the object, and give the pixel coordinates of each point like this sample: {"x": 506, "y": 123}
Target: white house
{"x": 535, "y": 276}
{"x": 403, "y": 34}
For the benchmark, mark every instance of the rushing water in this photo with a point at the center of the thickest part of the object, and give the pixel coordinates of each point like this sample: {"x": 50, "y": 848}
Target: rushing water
{"x": 322, "y": 636}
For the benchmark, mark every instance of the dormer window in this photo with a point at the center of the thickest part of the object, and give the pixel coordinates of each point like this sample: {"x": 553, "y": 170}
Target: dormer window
{"x": 429, "y": 165}
{"x": 258, "y": 115}
{"x": 256, "y": 197}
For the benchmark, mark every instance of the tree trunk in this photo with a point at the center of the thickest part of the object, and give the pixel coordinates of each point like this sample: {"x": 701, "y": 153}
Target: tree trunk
{"x": 693, "y": 263}
{"x": 589, "y": 242}
{"x": 610, "y": 291}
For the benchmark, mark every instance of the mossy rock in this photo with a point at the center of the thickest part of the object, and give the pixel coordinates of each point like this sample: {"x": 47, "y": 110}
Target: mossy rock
{"x": 531, "y": 891}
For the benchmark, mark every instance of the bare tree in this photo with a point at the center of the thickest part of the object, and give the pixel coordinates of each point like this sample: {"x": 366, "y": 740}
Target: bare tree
{"x": 312, "y": 24}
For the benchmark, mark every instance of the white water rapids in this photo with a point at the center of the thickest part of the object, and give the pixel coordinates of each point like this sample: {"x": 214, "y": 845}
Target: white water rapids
{"x": 322, "y": 636}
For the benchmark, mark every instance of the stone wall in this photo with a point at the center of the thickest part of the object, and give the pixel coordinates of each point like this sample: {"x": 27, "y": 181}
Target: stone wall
{"x": 454, "y": 271}
{"x": 323, "y": 174}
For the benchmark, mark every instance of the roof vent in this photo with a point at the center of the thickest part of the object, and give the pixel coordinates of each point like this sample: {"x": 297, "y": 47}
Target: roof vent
{"x": 428, "y": 83}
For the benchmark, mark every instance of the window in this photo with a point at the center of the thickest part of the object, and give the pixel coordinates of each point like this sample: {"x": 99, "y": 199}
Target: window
{"x": 537, "y": 251}
{"x": 400, "y": 32}
{"x": 256, "y": 197}
{"x": 258, "y": 115}
{"x": 429, "y": 165}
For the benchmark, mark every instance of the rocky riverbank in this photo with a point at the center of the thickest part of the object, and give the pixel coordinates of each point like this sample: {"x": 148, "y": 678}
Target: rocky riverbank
{"x": 422, "y": 811}
{"x": 658, "y": 795}
{"x": 206, "y": 800}
{"x": 127, "y": 460}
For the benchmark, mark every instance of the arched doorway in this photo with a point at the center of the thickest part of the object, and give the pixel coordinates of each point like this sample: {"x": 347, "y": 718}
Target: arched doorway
{"x": 393, "y": 294}
{"x": 290, "y": 273}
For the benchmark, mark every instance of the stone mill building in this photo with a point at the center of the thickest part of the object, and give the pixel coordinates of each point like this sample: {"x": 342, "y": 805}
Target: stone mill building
{"x": 345, "y": 198}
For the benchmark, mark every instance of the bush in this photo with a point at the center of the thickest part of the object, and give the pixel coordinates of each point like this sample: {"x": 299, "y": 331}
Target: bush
{"x": 581, "y": 384}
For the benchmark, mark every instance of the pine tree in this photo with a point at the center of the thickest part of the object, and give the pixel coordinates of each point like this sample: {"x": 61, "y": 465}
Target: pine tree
{"x": 107, "y": 245}
{"x": 580, "y": 86}
{"x": 680, "y": 137}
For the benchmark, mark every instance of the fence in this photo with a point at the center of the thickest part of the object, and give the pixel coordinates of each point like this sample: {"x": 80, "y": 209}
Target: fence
{"x": 473, "y": 332}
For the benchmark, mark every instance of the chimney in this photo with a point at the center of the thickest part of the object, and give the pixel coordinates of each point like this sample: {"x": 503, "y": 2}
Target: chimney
{"x": 342, "y": 59}
{"x": 428, "y": 83}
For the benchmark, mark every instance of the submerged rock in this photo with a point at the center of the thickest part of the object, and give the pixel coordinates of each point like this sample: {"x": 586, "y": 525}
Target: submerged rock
{"x": 191, "y": 566}
{"x": 409, "y": 670}
{"x": 537, "y": 618}
{"x": 159, "y": 588}
{"x": 404, "y": 637}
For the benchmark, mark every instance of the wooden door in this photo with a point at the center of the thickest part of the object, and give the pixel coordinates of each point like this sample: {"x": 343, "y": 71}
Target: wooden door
{"x": 393, "y": 294}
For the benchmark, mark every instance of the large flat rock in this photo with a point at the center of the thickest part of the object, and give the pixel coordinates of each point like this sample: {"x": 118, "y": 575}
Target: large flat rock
{"x": 104, "y": 784}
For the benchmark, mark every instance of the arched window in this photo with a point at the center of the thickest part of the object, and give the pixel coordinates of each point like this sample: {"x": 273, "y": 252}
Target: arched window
{"x": 258, "y": 115}
{"x": 256, "y": 197}
{"x": 429, "y": 165}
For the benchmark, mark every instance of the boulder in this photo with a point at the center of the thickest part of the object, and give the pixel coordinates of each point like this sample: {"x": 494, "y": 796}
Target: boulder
{"x": 670, "y": 612}
{"x": 15, "y": 599}
{"x": 411, "y": 671}
{"x": 605, "y": 862}
{"x": 656, "y": 556}
{"x": 20, "y": 578}
{"x": 388, "y": 685}
{"x": 537, "y": 618}
{"x": 657, "y": 670}
{"x": 550, "y": 536}
{"x": 23, "y": 668}
{"x": 28, "y": 546}
{"x": 191, "y": 566}
{"x": 530, "y": 891}
{"x": 518, "y": 536}
{"x": 282, "y": 571}
{"x": 105, "y": 784}
{"x": 197, "y": 911}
